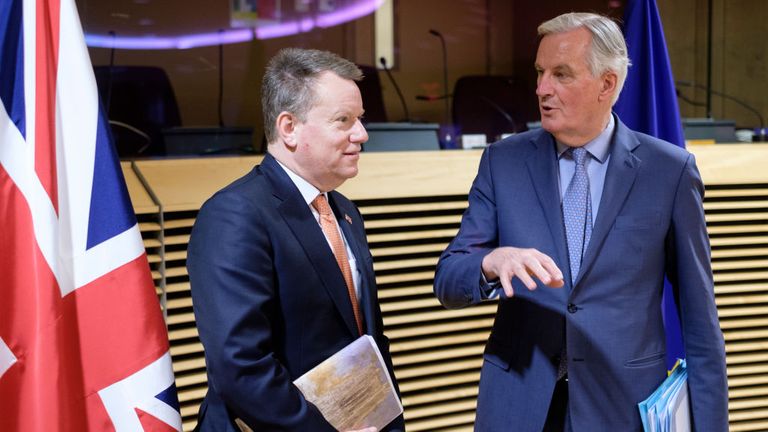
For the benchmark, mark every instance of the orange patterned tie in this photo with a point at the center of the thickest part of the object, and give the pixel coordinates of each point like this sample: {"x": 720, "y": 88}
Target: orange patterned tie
{"x": 328, "y": 225}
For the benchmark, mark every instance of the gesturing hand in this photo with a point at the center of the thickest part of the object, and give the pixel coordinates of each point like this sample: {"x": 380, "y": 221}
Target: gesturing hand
{"x": 504, "y": 263}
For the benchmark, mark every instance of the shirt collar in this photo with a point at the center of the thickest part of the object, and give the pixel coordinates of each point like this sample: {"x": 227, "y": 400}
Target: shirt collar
{"x": 598, "y": 147}
{"x": 308, "y": 192}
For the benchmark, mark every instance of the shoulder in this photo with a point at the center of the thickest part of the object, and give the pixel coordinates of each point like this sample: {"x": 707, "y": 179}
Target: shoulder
{"x": 660, "y": 148}
{"x": 520, "y": 141}
{"x": 244, "y": 193}
{"x": 649, "y": 148}
{"x": 519, "y": 147}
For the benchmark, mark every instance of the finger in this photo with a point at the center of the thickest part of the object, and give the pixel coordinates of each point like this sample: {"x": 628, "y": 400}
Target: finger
{"x": 506, "y": 283}
{"x": 522, "y": 273}
{"x": 556, "y": 276}
{"x": 556, "y": 283}
{"x": 536, "y": 269}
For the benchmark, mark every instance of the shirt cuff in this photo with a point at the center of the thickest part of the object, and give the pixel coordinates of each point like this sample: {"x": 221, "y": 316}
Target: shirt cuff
{"x": 489, "y": 290}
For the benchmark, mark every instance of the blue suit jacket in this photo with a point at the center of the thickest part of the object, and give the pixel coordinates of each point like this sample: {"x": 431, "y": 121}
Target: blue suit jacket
{"x": 270, "y": 301}
{"x": 650, "y": 223}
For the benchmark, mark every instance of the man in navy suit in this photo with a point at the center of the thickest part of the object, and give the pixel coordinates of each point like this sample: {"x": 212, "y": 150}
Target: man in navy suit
{"x": 599, "y": 214}
{"x": 271, "y": 294}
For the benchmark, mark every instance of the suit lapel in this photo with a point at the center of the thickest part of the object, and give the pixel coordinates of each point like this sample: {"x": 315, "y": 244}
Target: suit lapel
{"x": 305, "y": 228}
{"x": 622, "y": 172}
{"x": 543, "y": 169}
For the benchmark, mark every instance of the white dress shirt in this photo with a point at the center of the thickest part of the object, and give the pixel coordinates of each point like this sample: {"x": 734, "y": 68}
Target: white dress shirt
{"x": 309, "y": 193}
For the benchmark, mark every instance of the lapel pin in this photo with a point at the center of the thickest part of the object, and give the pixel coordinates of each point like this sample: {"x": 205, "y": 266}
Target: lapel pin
{"x": 349, "y": 219}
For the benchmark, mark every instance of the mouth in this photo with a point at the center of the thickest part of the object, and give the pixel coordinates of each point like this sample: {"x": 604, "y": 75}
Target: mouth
{"x": 353, "y": 151}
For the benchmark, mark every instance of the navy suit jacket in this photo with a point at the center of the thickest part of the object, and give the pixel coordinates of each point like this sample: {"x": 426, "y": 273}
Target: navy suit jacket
{"x": 650, "y": 223}
{"x": 270, "y": 301}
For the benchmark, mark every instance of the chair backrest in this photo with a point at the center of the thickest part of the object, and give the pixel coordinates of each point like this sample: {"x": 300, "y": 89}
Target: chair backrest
{"x": 140, "y": 103}
{"x": 487, "y": 104}
{"x": 370, "y": 90}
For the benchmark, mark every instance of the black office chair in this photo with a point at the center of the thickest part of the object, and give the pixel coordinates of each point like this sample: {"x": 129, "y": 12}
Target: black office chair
{"x": 487, "y": 104}
{"x": 140, "y": 103}
{"x": 370, "y": 90}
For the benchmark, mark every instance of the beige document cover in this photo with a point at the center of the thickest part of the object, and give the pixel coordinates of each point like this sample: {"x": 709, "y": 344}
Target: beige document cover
{"x": 352, "y": 388}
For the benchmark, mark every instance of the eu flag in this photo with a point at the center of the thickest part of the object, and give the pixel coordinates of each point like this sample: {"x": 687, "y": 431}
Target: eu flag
{"x": 648, "y": 104}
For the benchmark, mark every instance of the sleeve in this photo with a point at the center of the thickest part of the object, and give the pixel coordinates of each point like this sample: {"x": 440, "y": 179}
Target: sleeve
{"x": 690, "y": 272}
{"x": 231, "y": 271}
{"x": 459, "y": 270}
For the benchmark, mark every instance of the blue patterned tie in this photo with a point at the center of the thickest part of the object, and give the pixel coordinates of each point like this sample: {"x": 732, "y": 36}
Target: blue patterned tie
{"x": 577, "y": 211}
{"x": 577, "y": 215}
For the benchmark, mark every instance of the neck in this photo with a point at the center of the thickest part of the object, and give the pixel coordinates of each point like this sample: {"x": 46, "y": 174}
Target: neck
{"x": 285, "y": 157}
{"x": 581, "y": 138}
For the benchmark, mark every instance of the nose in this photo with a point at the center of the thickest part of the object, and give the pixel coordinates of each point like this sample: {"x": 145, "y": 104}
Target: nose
{"x": 359, "y": 134}
{"x": 543, "y": 86}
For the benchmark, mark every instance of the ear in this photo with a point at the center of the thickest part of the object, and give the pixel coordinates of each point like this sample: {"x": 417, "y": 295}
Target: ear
{"x": 608, "y": 82}
{"x": 286, "y": 125}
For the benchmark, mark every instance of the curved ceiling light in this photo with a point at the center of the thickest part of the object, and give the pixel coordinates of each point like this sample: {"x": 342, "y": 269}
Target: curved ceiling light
{"x": 227, "y": 36}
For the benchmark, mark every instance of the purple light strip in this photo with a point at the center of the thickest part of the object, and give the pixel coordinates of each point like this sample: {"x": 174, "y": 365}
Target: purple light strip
{"x": 324, "y": 20}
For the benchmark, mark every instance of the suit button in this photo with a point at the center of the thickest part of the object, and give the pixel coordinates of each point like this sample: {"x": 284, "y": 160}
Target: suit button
{"x": 572, "y": 308}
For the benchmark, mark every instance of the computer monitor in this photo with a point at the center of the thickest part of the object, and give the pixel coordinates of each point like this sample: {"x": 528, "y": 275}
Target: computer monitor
{"x": 203, "y": 141}
{"x": 720, "y": 131}
{"x": 401, "y": 137}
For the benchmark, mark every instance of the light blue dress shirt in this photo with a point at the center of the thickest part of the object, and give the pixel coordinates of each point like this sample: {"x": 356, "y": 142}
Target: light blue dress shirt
{"x": 599, "y": 150}
{"x": 597, "y": 165}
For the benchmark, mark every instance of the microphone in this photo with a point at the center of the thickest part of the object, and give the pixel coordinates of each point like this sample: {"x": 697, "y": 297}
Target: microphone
{"x": 431, "y": 98}
{"x": 436, "y": 33}
{"x": 722, "y": 95}
{"x": 221, "y": 81}
{"x": 502, "y": 112}
{"x": 383, "y": 62}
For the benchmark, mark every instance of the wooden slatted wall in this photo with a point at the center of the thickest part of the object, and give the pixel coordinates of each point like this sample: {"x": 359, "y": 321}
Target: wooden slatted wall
{"x": 737, "y": 221}
{"x": 437, "y": 352}
{"x": 412, "y": 204}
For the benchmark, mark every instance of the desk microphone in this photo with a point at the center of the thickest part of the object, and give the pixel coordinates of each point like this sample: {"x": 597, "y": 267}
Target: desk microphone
{"x": 436, "y": 33}
{"x": 431, "y": 98}
{"x": 501, "y": 111}
{"x": 221, "y": 80}
{"x": 737, "y": 101}
{"x": 383, "y": 62}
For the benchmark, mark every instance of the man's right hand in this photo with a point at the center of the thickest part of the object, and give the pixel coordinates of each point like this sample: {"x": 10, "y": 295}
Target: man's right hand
{"x": 504, "y": 263}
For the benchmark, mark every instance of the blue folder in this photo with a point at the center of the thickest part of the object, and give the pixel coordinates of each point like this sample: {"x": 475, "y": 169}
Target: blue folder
{"x": 667, "y": 409}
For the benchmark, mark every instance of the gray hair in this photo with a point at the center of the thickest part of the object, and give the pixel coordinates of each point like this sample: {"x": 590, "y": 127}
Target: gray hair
{"x": 608, "y": 51}
{"x": 290, "y": 79}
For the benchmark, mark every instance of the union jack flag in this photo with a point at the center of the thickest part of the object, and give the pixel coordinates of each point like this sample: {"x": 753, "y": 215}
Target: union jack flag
{"x": 83, "y": 345}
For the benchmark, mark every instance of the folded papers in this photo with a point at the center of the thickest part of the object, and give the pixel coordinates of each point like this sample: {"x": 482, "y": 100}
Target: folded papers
{"x": 352, "y": 388}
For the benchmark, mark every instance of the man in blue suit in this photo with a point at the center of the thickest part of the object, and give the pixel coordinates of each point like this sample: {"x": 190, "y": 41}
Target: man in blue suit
{"x": 281, "y": 274}
{"x": 599, "y": 214}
